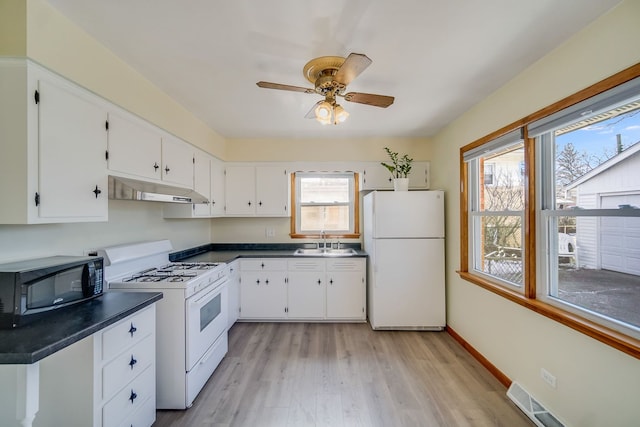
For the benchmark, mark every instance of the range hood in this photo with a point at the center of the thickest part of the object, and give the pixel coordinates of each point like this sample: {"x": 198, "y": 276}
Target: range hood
{"x": 130, "y": 189}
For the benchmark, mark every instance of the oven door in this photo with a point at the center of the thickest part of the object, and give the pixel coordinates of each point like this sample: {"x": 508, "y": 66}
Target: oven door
{"x": 206, "y": 320}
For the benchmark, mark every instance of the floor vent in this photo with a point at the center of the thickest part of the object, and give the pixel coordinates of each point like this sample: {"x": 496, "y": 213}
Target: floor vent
{"x": 531, "y": 407}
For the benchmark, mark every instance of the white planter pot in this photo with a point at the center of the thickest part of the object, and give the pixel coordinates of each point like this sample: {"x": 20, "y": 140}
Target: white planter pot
{"x": 401, "y": 184}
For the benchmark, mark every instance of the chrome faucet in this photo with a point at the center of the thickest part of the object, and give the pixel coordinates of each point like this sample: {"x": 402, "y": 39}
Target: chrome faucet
{"x": 323, "y": 236}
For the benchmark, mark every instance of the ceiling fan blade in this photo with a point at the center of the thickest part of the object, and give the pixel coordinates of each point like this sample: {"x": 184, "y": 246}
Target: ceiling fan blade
{"x": 268, "y": 85}
{"x": 351, "y": 68}
{"x": 369, "y": 99}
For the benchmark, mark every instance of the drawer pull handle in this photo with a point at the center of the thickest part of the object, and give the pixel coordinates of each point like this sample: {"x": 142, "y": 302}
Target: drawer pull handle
{"x": 132, "y": 329}
{"x": 133, "y": 396}
{"x": 132, "y": 362}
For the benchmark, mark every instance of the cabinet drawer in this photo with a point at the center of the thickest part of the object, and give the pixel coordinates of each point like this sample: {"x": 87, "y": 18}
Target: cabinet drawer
{"x": 127, "y": 366}
{"x": 145, "y": 416}
{"x": 306, "y": 265}
{"x": 128, "y": 332}
{"x": 345, "y": 264}
{"x": 129, "y": 399}
{"x": 263, "y": 264}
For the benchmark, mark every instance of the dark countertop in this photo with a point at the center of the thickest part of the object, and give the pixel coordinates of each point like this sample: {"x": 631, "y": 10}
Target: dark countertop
{"x": 228, "y": 252}
{"x": 34, "y": 341}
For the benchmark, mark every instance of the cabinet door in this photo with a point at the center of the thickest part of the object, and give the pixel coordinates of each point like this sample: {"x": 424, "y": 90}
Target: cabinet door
{"x": 177, "y": 162}
{"x": 134, "y": 147}
{"x": 217, "y": 187}
{"x": 272, "y": 191}
{"x": 376, "y": 177}
{"x": 202, "y": 182}
{"x": 263, "y": 295}
{"x": 346, "y": 285}
{"x": 306, "y": 295}
{"x": 419, "y": 175}
{"x": 240, "y": 190}
{"x": 72, "y": 143}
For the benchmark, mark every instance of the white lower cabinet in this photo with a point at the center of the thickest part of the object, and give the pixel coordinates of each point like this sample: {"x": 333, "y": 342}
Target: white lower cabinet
{"x": 346, "y": 288}
{"x": 124, "y": 372}
{"x": 306, "y": 286}
{"x": 107, "y": 379}
{"x": 263, "y": 290}
{"x": 314, "y": 289}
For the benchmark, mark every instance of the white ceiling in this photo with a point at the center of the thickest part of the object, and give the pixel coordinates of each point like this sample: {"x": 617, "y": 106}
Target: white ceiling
{"x": 438, "y": 58}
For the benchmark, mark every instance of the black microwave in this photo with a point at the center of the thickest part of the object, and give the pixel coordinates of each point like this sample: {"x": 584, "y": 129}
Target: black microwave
{"x": 33, "y": 288}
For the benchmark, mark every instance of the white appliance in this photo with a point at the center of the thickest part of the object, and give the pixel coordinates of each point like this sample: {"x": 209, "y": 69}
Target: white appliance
{"x": 191, "y": 318}
{"x": 404, "y": 237}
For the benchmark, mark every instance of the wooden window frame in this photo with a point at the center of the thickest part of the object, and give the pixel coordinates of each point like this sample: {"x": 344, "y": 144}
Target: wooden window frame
{"x": 613, "y": 338}
{"x": 356, "y": 214}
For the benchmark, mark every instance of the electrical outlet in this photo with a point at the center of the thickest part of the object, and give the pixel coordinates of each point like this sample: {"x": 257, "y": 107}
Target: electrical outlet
{"x": 270, "y": 232}
{"x": 548, "y": 378}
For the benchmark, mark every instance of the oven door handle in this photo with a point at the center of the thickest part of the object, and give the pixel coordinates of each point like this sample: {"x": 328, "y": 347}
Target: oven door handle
{"x": 208, "y": 296}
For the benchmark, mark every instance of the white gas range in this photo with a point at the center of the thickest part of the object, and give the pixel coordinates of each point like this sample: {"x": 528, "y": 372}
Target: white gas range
{"x": 191, "y": 319}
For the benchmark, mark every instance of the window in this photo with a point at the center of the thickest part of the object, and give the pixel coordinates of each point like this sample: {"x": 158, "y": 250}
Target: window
{"x": 325, "y": 202}
{"x": 589, "y": 219}
{"x": 556, "y": 227}
{"x": 496, "y": 209}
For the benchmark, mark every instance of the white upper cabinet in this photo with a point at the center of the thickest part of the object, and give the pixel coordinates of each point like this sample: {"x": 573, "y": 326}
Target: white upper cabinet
{"x": 217, "y": 188}
{"x": 256, "y": 190}
{"x": 272, "y": 191}
{"x": 134, "y": 147}
{"x": 240, "y": 190}
{"x": 54, "y": 141}
{"x": 139, "y": 150}
{"x": 202, "y": 182}
{"x": 208, "y": 180}
{"x": 374, "y": 176}
{"x": 177, "y": 161}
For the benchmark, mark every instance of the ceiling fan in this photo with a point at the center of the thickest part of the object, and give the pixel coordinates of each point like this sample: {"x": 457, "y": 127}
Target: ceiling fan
{"x": 330, "y": 76}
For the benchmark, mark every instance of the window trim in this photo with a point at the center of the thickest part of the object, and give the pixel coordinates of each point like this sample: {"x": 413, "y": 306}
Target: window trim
{"x": 356, "y": 213}
{"x": 613, "y": 338}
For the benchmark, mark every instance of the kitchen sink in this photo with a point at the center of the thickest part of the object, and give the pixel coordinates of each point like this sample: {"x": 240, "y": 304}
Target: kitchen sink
{"x": 324, "y": 252}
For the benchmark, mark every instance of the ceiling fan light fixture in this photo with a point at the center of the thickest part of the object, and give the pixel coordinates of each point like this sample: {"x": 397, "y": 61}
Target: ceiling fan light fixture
{"x": 323, "y": 111}
{"x": 340, "y": 114}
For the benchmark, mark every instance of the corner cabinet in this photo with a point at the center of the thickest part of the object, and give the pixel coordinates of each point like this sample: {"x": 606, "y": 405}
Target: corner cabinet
{"x": 54, "y": 140}
{"x": 208, "y": 180}
{"x": 303, "y": 289}
{"x": 256, "y": 190}
{"x": 374, "y": 176}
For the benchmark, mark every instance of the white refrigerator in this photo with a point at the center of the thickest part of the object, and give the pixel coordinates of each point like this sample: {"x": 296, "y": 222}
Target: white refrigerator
{"x": 404, "y": 237}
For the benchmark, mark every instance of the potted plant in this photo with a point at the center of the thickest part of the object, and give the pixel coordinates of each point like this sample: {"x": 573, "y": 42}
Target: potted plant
{"x": 399, "y": 169}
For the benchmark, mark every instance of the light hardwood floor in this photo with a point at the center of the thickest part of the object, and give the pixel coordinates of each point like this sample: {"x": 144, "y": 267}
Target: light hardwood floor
{"x": 345, "y": 374}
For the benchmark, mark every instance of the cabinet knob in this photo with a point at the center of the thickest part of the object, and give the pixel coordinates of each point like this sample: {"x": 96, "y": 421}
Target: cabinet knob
{"x": 155, "y": 166}
{"x": 331, "y": 281}
{"x": 266, "y": 281}
{"x": 97, "y": 191}
{"x": 262, "y": 265}
{"x": 319, "y": 281}
{"x": 166, "y": 169}
{"x": 258, "y": 281}
{"x": 132, "y": 362}
{"x": 132, "y": 329}
{"x": 132, "y": 396}
{"x": 260, "y": 203}
{"x": 249, "y": 203}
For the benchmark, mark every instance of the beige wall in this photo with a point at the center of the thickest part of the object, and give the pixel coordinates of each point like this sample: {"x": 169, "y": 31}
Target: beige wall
{"x": 13, "y": 28}
{"x": 323, "y": 150}
{"x": 597, "y": 385}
